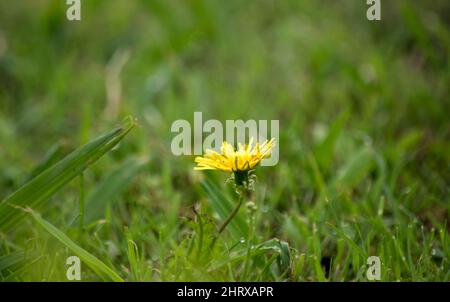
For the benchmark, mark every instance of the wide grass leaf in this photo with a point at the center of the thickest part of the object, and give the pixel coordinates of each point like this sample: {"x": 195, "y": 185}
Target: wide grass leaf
{"x": 37, "y": 191}
{"x": 97, "y": 266}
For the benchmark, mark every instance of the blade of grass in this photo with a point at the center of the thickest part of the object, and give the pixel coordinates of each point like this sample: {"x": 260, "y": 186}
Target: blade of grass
{"x": 39, "y": 189}
{"x": 324, "y": 152}
{"x": 355, "y": 169}
{"x": 133, "y": 255}
{"x": 97, "y": 266}
{"x": 347, "y": 239}
{"x": 111, "y": 187}
{"x": 10, "y": 260}
{"x": 55, "y": 153}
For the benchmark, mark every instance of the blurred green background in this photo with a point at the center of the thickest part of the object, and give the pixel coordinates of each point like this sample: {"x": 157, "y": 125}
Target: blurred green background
{"x": 364, "y": 129}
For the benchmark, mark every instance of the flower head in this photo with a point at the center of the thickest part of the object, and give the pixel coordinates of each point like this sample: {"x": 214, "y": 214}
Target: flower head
{"x": 244, "y": 159}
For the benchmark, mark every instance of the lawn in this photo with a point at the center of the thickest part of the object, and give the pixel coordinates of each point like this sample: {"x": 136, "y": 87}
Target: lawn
{"x": 87, "y": 168}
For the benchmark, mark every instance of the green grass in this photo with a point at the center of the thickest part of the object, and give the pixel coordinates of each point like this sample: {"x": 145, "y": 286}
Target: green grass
{"x": 364, "y": 140}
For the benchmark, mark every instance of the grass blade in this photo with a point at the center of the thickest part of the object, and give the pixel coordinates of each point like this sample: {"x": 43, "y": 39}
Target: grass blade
{"x": 324, "y": 152}
{"x": 113, "y": 185}
{"x": 11, "y": 260}
{"x": 39, "y": 189}
{"x": 356, "y": 169}
{"x": 97, "y": 266}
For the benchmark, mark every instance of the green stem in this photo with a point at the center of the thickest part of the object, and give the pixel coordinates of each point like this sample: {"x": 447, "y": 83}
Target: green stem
{"x": 226, "y": 222}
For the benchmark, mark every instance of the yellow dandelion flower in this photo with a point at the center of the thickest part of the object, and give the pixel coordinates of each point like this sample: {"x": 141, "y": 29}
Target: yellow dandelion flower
{"x": 240, "y": 163}
{"x": 243, "y": 159}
